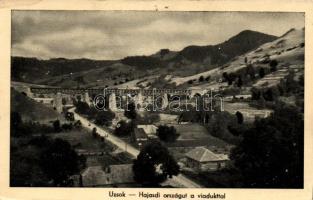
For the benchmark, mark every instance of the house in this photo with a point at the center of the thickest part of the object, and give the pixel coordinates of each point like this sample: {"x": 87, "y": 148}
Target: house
{"x": 139, "y": 137}
{"x": 202, "y": 159}
{"x": 150, "y": 130}
{"x": 95, "y": 176}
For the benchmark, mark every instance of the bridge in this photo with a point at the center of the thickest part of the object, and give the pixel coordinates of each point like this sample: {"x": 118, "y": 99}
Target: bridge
{"x": 117, "y": 91}
{"x": 115, "y": 95}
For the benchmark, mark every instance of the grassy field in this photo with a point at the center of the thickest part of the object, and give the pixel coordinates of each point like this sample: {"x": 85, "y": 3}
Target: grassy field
{"x": 192, "y": 135}
{"x": 191, "y": 131}
{"x": 218, "y": 179}
{"x": 83, "y": 140}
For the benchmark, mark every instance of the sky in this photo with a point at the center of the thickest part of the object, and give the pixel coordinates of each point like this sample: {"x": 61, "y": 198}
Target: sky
{"x": 109, "y": 35}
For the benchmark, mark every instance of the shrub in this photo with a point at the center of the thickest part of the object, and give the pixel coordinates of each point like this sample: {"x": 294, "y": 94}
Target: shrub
{"x": 124, "y": 129}
{"x": 167, "y": 133}
{"x": 273, "y": 65}
{"x": 104, "y": 118}
{"x": 57, "y": 126}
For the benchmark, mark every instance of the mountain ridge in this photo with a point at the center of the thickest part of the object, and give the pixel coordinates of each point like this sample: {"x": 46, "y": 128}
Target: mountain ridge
{"x": 189, "y": 60}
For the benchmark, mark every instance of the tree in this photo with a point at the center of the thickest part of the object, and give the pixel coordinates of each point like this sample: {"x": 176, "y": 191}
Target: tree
{"x": 251, "y": 71}
{"x": 124, "y": 129}
{"x": 167, "y": 133}
{"x": 218, "y": 126}
{"x": 67, "y": 127}
{"x": 130, "y": 111}
{"x": 16, "y": 122}
{"x": 271, "y": 94}
{"x": 239, "y": 82}
{"x": 239, "y": 117}
{"x": 69, "y": 116}
{"x": 154, "y": 165}
{"x": 57, "y": 126}
{"x": 255, "y": 93}
{"x": 271, "y": 152}
{"x": 229, "y": 78}
{"x": 78, "y": 124}
{"x": 16, "y": 119}
{"x": 225, "y": 76}
{"x": 261, "y": 72}
{"x": 207, "y": 78}
{"x": 301, "y": 80}
{"x": 59, "y": 161}
{"x": 63, "y": 101}
{"x": 273, "y": 65}
{"x": 82, "y": 108}
{"x": 291, "y": 84}
{"x": 94, "y": 132}
{"x": 163, "y": 52}
{"x": 25, "y": 168}
{"x": 104, "y": 118}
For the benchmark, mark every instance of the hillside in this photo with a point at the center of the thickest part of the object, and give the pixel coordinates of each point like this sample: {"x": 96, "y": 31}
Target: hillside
{"x": 64, "y": 72}
{"x": 30, "y": 109}
{"x": 32, "y": 69}
{"x": 288, "y": 50}
{"x": 194, "y": 59}
{"x": 221, "y": 53}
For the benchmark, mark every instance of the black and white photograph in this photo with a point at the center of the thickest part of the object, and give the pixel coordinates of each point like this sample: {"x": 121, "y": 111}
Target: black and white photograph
{"x": 146, "y": 99}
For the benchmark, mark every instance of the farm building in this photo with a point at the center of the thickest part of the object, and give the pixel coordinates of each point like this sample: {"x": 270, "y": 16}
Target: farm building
{"x": 95, "y": 176}
{"x": 202, "y": 159}
{"x": 139, "y": 137}
{"x": 149, "y": 129}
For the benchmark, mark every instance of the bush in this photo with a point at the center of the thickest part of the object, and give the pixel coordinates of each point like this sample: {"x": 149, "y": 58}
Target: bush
{"x": 219, "y": 124}
{"x": 130, "y": 111}
{"x": 239, "y": 117}
{"x": 67, "y": 127}
{"x": 82, "y": 108}
{"x": 78, "y": 124}
{"x": 262, "y": 72}
{"x": 104, "y": 118}
{"x": 69, "y": 116}
{"x": 167, "y": 133}
{"x": 124, "y": 129}
{"x": 94, "y": 132}
{"x": 57, "y": 126}
{"x": 273, "y": 65}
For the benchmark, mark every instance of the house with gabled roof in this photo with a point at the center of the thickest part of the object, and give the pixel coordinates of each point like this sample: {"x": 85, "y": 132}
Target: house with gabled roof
{"x": 202, "y": 159}
{"x": 95, "y": 176}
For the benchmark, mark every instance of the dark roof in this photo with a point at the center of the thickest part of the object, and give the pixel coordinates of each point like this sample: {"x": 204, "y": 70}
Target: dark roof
{"x": 202, "y": 154}
{"x": 140, "y": 133}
